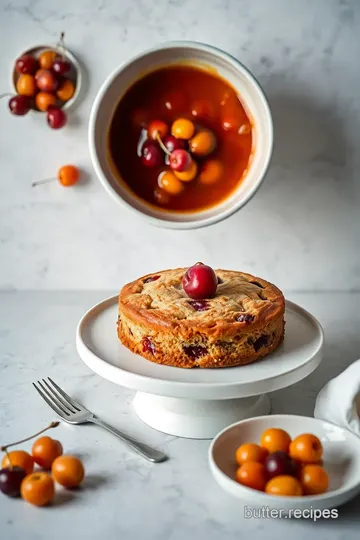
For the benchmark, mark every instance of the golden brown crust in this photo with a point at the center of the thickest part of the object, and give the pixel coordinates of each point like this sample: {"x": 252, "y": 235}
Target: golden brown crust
{"x": 223, "y": 331}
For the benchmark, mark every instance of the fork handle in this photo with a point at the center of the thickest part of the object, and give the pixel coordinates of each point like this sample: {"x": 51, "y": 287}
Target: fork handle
{"x": 143, "y": 449}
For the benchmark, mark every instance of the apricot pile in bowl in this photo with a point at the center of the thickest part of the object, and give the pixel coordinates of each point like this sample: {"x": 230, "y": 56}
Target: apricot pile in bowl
{"x": 281, "y": 466}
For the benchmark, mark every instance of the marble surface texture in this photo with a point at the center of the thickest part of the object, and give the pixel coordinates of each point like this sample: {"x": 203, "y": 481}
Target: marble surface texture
{"x": 302, "y": 228}
{"x": 125, "y": 497}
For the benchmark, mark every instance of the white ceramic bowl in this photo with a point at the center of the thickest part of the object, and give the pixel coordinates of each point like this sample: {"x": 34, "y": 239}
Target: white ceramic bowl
{"x": 341, "y": 460}
{"x": 204, "y": 56}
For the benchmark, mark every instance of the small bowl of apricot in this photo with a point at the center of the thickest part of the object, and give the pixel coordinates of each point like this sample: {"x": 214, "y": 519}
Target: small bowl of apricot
{"x": 181, "y": 135}
{"x": 287, "y": 463}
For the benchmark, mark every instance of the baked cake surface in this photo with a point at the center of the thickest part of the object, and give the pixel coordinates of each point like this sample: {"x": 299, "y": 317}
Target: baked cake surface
{"x": 243, "y": 322}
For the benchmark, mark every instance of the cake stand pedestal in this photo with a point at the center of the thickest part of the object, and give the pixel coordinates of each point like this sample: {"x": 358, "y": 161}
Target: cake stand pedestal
{"x": 195, "y": 418}
{"x": 198, "y": 403}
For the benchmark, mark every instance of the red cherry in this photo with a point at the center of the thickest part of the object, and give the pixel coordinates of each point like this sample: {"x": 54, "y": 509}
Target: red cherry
{"x": 200, "y": 281}
{"x": 19, "y": 105}
{"x": 46, "y": 80}
{"x": 151, "y": 154}
{"x": 180, "y": 160}
{"x": 26, "y": 65}
{"x": 10, "y": 481}
{"x": 56, "y": 118}
{"x": 279, "y": 463}
{"x": 61, "y": 67}
{"x": 172, "y": 143}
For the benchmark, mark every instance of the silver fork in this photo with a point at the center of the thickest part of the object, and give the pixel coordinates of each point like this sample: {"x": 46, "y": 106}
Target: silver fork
{"x": 72, "y": 412}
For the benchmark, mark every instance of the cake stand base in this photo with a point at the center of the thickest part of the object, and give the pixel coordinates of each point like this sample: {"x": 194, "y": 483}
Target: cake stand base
{"x": 196, "y": 419}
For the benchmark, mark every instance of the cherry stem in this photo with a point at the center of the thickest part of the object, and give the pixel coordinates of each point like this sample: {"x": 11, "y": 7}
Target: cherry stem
{"x": 46, "y": 181}
{"x": 162, "y": 145}
{"x": 61, "y": 45}
{"x": 5, "y": 95}
{"x": 9, "y": 458}
{"x": 50, "y": 426}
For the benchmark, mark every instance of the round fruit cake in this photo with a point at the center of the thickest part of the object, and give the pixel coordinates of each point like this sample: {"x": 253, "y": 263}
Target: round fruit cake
{"x": 241, "y": 323}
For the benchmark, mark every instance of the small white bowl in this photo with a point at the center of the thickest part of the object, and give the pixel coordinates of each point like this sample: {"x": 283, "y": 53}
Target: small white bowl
{"x": 75, "y": 74}
{"x": 195, "y": 54}
{"x": 341, "y": 460}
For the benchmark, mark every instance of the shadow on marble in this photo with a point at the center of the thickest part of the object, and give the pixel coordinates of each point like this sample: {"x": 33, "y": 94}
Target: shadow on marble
{"x": 63, "y": 497}
{"x": 94, "y": 481}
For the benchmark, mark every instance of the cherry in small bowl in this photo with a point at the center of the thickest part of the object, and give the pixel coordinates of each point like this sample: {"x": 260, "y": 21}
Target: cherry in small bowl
{"x": 26, "y": 64}
{"x": 61, "y": 66}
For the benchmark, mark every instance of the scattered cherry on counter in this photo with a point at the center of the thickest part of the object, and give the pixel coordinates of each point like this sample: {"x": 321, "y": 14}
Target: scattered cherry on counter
{"x": 56, "y": 117}
{"x": 19, "y": 105}
{"x": 10, "y": 480}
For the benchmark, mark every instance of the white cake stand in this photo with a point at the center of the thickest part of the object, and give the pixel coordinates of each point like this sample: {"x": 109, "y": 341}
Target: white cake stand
{"x": 198, "y": 403}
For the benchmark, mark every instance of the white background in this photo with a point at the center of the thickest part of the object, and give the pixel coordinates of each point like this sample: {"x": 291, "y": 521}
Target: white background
{"x": 301, "y": 230}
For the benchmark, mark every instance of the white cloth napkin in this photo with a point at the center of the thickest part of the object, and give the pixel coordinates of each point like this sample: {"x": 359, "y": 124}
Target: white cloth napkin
{"x": 339, "y": 400}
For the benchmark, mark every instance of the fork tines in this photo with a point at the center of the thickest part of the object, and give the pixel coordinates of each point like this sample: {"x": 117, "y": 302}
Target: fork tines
{"x": 56, "y": 398}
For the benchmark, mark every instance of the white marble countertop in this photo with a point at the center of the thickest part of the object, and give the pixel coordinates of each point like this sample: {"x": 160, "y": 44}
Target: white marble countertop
{"x": 124, "y": 496}
{"x": 303, "y": 221}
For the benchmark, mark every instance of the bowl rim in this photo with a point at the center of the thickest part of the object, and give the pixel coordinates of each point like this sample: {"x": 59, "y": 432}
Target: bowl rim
{"x": 166, "y": 223}
{"x": 70, "y": 104}
{"x": 245, "y": 490}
